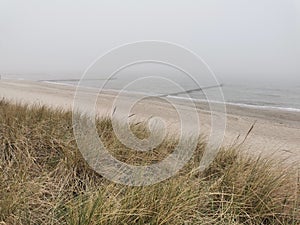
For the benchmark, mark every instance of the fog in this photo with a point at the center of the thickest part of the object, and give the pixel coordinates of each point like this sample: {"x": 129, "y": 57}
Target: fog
{"x": 242, "y": 41}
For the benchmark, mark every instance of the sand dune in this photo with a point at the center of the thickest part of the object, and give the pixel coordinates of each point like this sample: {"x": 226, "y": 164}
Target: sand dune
{"x": 276, "y": 132}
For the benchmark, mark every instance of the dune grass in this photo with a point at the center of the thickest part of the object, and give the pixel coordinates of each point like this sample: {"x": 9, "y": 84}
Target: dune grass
{"x": 45, "y": 180}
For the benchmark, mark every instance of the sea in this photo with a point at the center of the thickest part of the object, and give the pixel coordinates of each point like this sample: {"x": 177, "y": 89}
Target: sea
{"x": 273, "y": 96}
{"x": 269, "y": 95}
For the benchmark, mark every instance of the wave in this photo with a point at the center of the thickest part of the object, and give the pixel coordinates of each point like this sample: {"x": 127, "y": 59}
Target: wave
{"x": 242, "y": 104}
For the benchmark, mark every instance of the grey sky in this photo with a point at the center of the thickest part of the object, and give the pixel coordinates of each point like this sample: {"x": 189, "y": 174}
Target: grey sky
{"x": 239, "y": 39}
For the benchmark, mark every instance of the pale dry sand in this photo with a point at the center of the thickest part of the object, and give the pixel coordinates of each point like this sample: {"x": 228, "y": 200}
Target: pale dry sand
{"x": 276, "y": 132}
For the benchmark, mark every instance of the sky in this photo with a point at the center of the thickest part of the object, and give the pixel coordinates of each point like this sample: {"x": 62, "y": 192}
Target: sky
{"x": 241, "y": 40}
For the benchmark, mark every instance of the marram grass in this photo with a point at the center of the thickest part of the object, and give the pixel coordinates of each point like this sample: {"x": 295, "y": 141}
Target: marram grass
{"x": 45, "y": 180}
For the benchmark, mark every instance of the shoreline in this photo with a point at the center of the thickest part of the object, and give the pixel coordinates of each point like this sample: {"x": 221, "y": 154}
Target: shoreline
{"x": 276, "y": 132}
{"x": 244, "y": 105}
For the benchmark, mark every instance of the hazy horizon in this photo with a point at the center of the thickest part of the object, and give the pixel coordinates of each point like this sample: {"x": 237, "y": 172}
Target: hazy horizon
{"x": 251, "y": 41}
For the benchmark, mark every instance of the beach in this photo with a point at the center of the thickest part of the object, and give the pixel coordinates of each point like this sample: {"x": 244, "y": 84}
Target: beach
{"x": 275, "y": 133}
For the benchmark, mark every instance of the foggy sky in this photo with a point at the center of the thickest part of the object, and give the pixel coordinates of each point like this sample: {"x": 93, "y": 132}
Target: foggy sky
{"x": 254, "y": 40}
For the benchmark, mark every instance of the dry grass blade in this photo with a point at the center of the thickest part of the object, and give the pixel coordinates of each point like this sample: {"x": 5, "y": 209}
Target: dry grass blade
{"x": 45, "y": 180}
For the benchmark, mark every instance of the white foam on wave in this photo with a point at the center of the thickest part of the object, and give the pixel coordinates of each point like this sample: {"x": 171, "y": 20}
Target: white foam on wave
{"x": 56, "y": 83}
{"x": 242, "y": 104}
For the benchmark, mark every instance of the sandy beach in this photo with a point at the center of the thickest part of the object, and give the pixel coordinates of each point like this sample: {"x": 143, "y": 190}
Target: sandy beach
{"x": 276, "y": 132}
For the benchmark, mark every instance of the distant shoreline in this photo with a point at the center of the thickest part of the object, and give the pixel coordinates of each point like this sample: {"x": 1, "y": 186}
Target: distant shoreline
{"x": 63, "y": 82}
{"x": 228, "y": 103}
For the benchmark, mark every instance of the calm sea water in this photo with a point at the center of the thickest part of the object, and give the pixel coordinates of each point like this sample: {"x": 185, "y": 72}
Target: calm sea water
{"x": 286, "y": 97}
